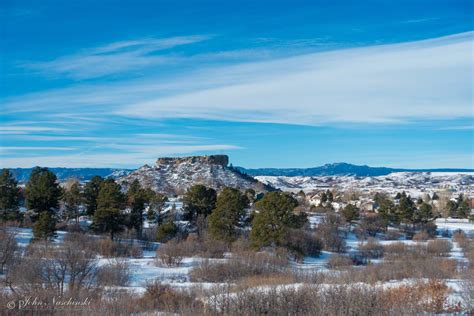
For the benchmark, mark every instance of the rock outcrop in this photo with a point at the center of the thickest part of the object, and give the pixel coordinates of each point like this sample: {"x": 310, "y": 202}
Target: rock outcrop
{"x": 173, "y": 176}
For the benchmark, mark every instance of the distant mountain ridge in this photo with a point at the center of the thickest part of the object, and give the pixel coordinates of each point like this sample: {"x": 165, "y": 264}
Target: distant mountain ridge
{"x": 334, "y": 169}
{"x": 339, "y": 169}
{"x": 81, "y": 174}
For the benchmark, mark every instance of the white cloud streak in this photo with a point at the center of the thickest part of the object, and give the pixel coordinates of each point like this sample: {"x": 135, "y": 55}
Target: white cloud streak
{"x": 136, "y": 157}
{"x": 397, "y": 83}
{"x": 382, "y": 84}
{"x": 117, "y": 57}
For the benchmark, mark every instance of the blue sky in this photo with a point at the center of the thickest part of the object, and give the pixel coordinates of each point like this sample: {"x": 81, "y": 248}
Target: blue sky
{"x": 271, "y": 83}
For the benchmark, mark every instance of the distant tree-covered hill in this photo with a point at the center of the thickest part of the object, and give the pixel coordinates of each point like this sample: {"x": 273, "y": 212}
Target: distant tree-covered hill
{"x": 338, "y": 169}
{"x": 81, "y": 174}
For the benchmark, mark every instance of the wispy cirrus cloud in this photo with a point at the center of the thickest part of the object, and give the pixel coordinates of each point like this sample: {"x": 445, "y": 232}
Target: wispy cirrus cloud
{"x": 26, "y": 129}
{"x": 127, "y": 158}
{"x": 4, "y": 149}
{"x": 397, "y": 83}
{"x": 458, "y": 128}
{"x": 113, "y": 58}
{"x": 381, "y": 84}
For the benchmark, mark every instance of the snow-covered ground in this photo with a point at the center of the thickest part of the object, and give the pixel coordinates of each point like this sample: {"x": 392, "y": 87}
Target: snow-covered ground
{"x": 145, "y": 269}
{"x": 455, "y": 224}
{"x": 414, "y": 183}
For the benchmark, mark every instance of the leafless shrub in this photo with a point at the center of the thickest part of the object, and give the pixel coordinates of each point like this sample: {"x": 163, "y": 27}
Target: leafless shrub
{"x": 467, "y": 292}
{"x": 422, "y": 297}
{"x": 116, "y": 273}
{"x": 114, "y": 249}
{"x": 459, "y": 236}
{"x": 161, "y": 297}
{"x": 439, "y": 247}
{"x": 212, "y": 248}
{"x": 69, "y": 267}
{"x": 172, "y": 253}
{"x": 329, "y": 232}
{"x": 239, "y": 266}
{"x": 301, "y": 243}
{"x": 406, "y": 267}
{"x": 395, "y": 248}
{"x": 290, "y": 300}
{"x": 421, "y": 236}
{"x": 339, "y": 261}
{"x": 393, "y": 235}
{"x": 371, "y": 249}
{"x": 8, "y": 248}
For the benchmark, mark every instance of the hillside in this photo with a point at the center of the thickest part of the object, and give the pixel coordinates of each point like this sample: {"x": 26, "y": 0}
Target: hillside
{"x": 176, "y": 175}
{"x": 415, "y": 182}
{"x": 339, "y": 169}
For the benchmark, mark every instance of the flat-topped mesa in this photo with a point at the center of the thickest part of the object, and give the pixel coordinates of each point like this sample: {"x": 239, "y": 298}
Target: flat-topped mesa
{"x": 222, "y": 160}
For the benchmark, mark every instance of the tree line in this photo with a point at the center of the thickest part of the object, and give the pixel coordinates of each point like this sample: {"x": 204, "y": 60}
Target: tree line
{"x": 101, "y": 199}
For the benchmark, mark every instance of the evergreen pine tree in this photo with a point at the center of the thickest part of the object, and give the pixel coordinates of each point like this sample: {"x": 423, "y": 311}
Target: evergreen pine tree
{"x": 330, "y": 196}
{"x": 166, "y": 231}
{"x": 45, "y": 227}
{"x": 452, "y": 207}
{"x": 350, "y": 213}
{"x": 406, "y": 208}
{"x": 42, "y": 195}
{"x": 73, "y": 198}
{"x": 136, "y": 200}
{"x": 274, "y": 218}
{"x": 9, "y": 196}
{"x": 324, "y": 199}
{"x": 424, "y": 213}
{"x": 108, "y": 217}
{"x": 463, "y": 209}
{"x": 198, "y": 200}
{"x": 42, "y": 191}
{"x": 228, "y": 214}
{"x": 91, "y": 193}
{"x": 388, "y": 211}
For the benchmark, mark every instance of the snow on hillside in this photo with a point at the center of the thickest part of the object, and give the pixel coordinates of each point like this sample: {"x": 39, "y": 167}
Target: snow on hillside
{"x": 414, "y": 182}
{"x": 176, "y": 175}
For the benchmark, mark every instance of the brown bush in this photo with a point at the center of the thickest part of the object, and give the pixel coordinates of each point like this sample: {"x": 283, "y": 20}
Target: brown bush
{"x": 371, "y": 249}
{"x": 172, "y": 253}
{"x": 393, "y": 235}
{"x": 212, "y": 248}
{"x": 339, "y": 261}
{"x": 203, "y": 246}
{"x": 459, "y": 236}
{"x": 439, "y": 247}
{"x": 422, "y": 297}
{"x": 277, "y": 278}
{"x": 238, "y": 266}
{"x": 395, "y": 248}
{"x": 405, "y": 268}
{"x": 301, "y": 243}
{"x": 329, "y": 232}
{"x": 161, "y": 297}
{"x": 290, "y": 300}
{"x": 113, "y": 249}
{"x": 8, "y": 248}
{"x": 68, "y": 267}
{"x": 421, "y": 236}
{"x": 467, "y": 292}
{"x": 116, "y": 273}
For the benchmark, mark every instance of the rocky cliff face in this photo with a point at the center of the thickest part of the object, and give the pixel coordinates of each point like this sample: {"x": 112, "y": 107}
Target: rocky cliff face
{"x": 176, "y": 175}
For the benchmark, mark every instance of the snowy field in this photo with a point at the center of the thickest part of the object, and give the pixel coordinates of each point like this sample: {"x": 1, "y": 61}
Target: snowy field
{"x": 452, "y": 225}
{"x": 145, "y": 269}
